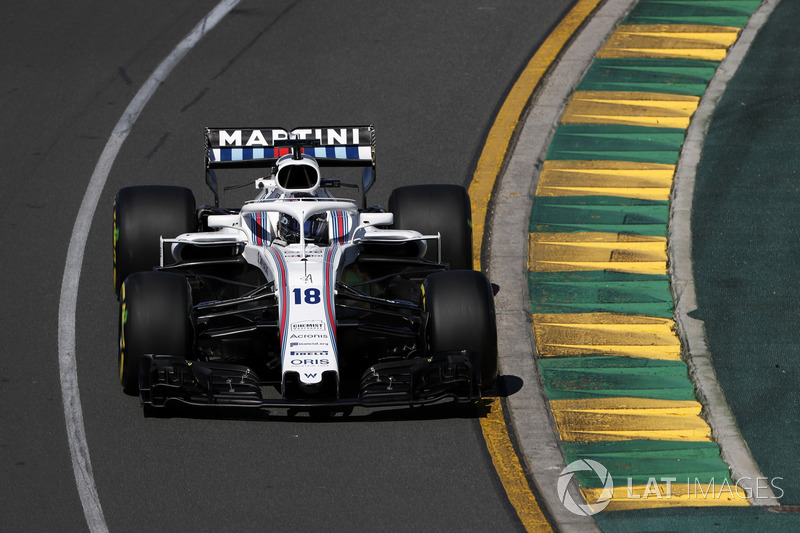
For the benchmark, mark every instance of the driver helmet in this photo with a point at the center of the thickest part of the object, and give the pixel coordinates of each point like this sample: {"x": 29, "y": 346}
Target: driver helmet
{"x": 315, "y": 229}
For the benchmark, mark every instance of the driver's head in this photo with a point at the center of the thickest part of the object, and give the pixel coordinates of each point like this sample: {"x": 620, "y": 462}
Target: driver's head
{"x": 315, "y": 229}
{"x": 288, "y": 229}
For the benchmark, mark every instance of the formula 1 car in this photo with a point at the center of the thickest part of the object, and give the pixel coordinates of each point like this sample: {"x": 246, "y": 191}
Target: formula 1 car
{"x": 298, "y": 298}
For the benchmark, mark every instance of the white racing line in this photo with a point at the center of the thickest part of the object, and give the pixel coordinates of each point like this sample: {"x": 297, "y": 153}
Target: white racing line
{"x": 67, "y": 363}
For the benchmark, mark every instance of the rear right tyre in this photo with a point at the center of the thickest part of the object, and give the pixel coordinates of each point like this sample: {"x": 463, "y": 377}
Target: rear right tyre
{"x": 436, "y": 208}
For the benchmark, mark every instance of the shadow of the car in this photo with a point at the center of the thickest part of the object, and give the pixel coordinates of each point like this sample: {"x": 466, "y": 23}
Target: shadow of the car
{"x": 508, "y": 385}
{"x": 505, "y": 386}
{"x": 440, "y": 411}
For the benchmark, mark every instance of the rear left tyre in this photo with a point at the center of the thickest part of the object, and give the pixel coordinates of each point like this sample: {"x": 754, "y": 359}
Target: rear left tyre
{"x": 143, "y": 214}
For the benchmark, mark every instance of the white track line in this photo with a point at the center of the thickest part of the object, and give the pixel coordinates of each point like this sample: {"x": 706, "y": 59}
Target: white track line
{"x": 67, "y": 363}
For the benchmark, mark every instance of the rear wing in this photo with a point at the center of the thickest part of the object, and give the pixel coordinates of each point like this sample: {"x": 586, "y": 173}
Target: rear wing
{"x": 342, "y": 146}
{"x": 256, "y": 147}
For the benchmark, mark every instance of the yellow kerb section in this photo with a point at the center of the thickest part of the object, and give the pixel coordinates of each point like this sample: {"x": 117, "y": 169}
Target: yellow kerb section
{"x": 563, "y": 334}
{"x": 680, "y": 492}
{"x": 615, "y": 419}
{"x": 507, "y": 465}
{"x": 709, "y": 43}
{"x": 646, "y": 181}
{"x": 630, "y": 108}
{"x": 561, "y": 252}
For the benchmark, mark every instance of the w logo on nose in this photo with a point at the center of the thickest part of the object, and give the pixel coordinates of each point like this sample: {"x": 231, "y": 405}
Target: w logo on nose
{"x": 311, "y": 376}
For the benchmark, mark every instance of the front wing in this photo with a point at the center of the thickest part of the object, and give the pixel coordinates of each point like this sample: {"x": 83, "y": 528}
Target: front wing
{"x": 165, "y": 379}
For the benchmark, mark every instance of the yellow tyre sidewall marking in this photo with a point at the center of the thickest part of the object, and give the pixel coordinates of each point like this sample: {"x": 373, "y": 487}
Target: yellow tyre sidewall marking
{"x": 116, "y": 238}
{"x": 123, "y": 317}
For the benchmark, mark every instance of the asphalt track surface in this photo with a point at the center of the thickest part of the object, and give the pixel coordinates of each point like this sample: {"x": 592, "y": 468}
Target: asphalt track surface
{"x": 429, "y": 76}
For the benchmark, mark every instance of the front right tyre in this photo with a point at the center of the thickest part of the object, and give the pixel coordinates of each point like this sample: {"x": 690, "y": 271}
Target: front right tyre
{"x": 154, "y": 318}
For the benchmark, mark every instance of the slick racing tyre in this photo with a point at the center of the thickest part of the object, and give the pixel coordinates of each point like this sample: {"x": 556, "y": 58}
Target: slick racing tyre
{"x": 460, "y": 304}
{"x": 154, "y": 318}
{"x": 431, "y": 209}
{"x": 142, "y": 215}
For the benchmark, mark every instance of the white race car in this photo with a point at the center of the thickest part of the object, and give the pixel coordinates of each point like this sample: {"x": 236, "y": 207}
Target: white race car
{"x": 299, "y": 298}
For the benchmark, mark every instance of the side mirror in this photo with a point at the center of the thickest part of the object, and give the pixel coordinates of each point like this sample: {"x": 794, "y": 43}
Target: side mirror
{"x": 211, "y": 181}
{"x": 367, "y": 179}
{"x": 377, "y": 219}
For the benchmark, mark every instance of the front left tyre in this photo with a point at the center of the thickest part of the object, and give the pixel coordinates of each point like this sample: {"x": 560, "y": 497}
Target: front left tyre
{"x": 460, "y": 304}
{"x": 154, "y": 318}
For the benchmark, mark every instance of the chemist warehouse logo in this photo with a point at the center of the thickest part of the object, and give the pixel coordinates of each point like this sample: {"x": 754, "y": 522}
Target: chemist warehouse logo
{"x": 657, "y": 488}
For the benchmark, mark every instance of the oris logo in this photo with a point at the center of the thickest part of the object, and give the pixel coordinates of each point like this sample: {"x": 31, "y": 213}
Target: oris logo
{"x": 309, "y": 362}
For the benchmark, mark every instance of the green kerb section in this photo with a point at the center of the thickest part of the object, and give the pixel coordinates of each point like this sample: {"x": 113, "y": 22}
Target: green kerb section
{"x": 607, "y": 214}
{"x": 733, "y": 13}
{"x": 602, "y": 142}
{"x": 600, "y": 292}
{"x": 587, "y": 377}
{"x": 642, "y": 460}
{"x": 679, "y": 76}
